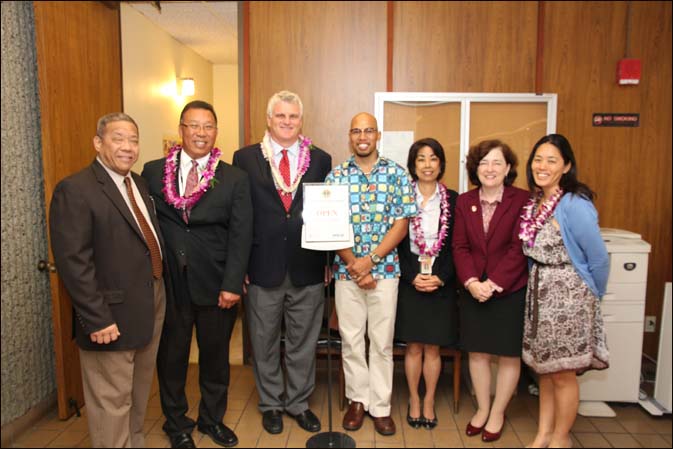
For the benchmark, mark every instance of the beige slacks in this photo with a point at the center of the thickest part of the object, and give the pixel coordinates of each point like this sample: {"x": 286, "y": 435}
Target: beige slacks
{"x": 117, "y": 386}
{"x": 372, "y": 310}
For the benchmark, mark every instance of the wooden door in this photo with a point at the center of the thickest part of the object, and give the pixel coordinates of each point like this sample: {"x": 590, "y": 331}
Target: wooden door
{"x": 79, "y": 71}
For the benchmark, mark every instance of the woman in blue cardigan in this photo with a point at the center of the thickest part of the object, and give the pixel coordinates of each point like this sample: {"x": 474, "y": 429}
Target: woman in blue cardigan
{"x": 563, "y": 331}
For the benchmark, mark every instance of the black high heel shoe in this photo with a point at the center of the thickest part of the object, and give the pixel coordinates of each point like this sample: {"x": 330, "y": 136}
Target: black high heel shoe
{"x": 430, "y": 423}
{"x": 414, "y": 422}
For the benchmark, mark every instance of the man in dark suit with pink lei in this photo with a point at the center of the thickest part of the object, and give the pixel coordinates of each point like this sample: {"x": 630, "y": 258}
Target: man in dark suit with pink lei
{"x": 205, "y": 212}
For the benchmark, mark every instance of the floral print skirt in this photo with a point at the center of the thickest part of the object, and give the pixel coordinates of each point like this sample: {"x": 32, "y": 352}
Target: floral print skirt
{"x": 563, "y": 326}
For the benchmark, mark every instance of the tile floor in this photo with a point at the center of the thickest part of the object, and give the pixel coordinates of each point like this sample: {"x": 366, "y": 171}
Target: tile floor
{"x": 633, "y": 427}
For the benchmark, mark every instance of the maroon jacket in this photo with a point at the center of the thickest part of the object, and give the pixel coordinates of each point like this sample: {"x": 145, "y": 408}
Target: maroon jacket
{"x": 498, "y": 255}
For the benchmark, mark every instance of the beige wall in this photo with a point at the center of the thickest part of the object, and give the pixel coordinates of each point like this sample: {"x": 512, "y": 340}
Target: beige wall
{"x": 225, "y": 101}
{"x": 151, "y": 62}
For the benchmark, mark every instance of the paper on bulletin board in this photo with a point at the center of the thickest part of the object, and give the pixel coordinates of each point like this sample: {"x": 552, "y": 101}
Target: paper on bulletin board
{"x": 395, "y": 145}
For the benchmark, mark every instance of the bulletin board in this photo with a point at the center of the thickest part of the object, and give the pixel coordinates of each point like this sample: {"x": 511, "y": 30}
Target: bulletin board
{"x": 459, "y": 120}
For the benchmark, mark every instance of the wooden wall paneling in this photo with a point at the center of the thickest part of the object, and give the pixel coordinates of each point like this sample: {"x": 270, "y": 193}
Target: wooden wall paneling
{"x": 390, "y": 41}
{"x": 245, "y": 14}
{"x": 651, "y": 41}
{"x": 487, "y": 46}
{"x": 79, "y": 71}
{"x": 333, "y": 54}
{"x": 629, "y": 168}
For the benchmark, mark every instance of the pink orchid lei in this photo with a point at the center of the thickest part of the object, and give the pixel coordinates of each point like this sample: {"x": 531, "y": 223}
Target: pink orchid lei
{"x": 171, "y": 196}
{"x": 304, "y": 160}
{"x": 531, "y": 225}
{"x": 416, "y": 221}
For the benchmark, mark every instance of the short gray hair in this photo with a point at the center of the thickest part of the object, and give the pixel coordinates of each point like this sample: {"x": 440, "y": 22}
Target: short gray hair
{"x": 286, "y": 96}
{"x": 113, "y": 117}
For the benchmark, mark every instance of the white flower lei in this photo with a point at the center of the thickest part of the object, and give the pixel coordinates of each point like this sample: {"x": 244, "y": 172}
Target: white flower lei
{"x": 304, "y": 161}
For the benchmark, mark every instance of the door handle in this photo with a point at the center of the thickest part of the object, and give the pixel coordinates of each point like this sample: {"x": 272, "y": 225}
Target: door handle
{"x": 43, "y": 265}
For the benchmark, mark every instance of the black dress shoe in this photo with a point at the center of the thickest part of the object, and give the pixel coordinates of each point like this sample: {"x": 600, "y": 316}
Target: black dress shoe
{"x": 181, "y": 440}
{"x": 220, "y": 434}
{"x": 308, "y": 421}
{"x": 272, "y": 421}
{"x": 414, "y": 422}
{"x": 430, "y": 423}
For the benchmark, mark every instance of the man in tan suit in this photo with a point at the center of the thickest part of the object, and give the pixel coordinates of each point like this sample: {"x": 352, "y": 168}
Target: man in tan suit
{"x": 107, "y": 248}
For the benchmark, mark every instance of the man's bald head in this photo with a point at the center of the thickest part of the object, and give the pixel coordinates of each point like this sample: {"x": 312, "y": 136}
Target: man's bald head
{"x": 366, "y": 117}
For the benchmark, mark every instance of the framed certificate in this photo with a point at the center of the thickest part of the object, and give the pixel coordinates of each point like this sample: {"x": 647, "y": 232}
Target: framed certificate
{"x": 326, "y": 216}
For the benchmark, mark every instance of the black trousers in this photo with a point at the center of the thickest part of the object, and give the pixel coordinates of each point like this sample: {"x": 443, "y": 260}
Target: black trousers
{"x": 213, "y": 332}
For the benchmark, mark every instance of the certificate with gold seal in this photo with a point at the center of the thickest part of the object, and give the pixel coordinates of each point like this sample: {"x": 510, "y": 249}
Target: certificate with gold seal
{"x": 326, "y": 213}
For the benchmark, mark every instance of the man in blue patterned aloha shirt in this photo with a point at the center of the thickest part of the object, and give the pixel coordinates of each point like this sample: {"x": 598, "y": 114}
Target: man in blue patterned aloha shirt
{"x": 367, "y": 275}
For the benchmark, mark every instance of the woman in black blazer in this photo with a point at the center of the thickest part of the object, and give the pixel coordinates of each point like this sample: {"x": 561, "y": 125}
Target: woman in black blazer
{"x": 426, "y": 306}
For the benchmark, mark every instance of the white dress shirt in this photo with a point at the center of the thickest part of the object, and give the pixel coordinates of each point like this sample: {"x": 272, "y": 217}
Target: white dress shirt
{"x": 119, "y": 182}
{"x": 186, "y": 165}
{"x": 292, "y": 155}
{"x": 429, "y": 219}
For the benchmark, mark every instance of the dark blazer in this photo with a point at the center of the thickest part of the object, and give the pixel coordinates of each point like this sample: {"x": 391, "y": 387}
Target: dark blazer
{"x": 214, "y": 247}
{"x": 497, "y": 256}
{"x": 443, "y": 267}
{"x": 276, "y": 247}
{"x": 102, "y": 258}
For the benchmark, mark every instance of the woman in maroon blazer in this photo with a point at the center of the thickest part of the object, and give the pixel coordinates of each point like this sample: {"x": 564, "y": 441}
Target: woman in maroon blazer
{"x": 491, "y": 266}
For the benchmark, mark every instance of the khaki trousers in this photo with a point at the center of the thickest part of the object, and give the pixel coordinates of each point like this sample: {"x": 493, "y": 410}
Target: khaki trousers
{"x": 117, "y": 386}
{"x": 372, "y": 310}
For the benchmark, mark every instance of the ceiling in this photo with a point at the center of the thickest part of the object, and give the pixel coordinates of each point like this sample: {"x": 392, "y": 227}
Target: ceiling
{"x": 208, "y": 28}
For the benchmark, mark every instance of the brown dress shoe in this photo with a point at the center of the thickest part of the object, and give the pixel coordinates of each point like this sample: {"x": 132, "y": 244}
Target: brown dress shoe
{"x": 384, "y": 425}
{"x": 354, "y": 416}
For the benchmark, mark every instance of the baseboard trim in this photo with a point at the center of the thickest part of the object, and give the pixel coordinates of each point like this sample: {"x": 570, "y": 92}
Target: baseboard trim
{"x": 11, "y": 430}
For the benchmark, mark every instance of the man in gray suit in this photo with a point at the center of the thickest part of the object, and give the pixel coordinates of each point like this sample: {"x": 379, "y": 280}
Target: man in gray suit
{"x": 286, "y": 281}
{"x": 107, "y": 248}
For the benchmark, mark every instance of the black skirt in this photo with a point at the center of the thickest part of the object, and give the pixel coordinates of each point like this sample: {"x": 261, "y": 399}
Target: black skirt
{"x": 426, "y": 318}
{"x": 493, "y": 327}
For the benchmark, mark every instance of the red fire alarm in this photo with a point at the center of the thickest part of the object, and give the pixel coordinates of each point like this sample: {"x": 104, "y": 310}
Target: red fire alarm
{"x": 628, "y": 72}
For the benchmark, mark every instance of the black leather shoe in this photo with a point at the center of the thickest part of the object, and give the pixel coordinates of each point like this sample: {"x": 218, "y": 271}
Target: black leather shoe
{"x": 181, "y": 440}
{"x": 272, "y": 421}
{"x": 220, "y": 434}
{"x": 414, "y": 422}
{"x": 430, "y": 423}
{"x": 308, "y": 421}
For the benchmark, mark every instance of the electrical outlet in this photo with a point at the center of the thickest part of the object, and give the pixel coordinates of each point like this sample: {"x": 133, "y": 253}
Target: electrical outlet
{"x": 650, "y": 323}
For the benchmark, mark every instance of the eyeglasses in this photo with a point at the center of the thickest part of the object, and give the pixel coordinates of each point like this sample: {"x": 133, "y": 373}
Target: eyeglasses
{"x": 208, "y": 127}
{"x": 358, "y": 131}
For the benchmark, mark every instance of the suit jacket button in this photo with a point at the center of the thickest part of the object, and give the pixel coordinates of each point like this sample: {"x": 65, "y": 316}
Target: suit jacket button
{"x": 187, "y": 229}
{"x": 287, "y": 215}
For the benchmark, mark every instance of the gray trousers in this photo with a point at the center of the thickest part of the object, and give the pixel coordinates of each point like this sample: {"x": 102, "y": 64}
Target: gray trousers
{"x": 302, "y": 310}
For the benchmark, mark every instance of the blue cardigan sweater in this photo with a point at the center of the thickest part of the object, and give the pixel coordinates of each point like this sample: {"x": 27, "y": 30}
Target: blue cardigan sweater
{"x": 581, "y": 234}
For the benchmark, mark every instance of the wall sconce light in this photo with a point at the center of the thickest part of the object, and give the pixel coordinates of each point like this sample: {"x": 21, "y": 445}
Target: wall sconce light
{"x": 186, "y": 86}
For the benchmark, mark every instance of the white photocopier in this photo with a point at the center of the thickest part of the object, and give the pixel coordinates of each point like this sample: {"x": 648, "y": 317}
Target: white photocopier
{"x": 623, "y": 308}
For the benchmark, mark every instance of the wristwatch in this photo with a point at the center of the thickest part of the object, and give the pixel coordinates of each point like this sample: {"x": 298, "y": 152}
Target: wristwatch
{"x": 375, "y": 258}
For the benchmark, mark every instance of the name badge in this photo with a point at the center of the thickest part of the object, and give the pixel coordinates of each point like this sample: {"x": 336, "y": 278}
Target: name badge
{"x": 426, "y": 264}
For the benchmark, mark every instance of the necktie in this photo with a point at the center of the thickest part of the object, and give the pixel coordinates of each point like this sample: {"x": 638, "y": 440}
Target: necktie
{"x": 155, "y": 253}
{"x": 284, "y": 168}
{"x": 190, "y": 186}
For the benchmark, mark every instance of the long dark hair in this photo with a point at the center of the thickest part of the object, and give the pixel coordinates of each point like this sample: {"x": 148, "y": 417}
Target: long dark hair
{"x": 568, "y": 182}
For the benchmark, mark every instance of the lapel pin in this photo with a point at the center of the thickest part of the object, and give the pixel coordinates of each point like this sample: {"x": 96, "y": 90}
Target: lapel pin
{"x": 474, "y": 208}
